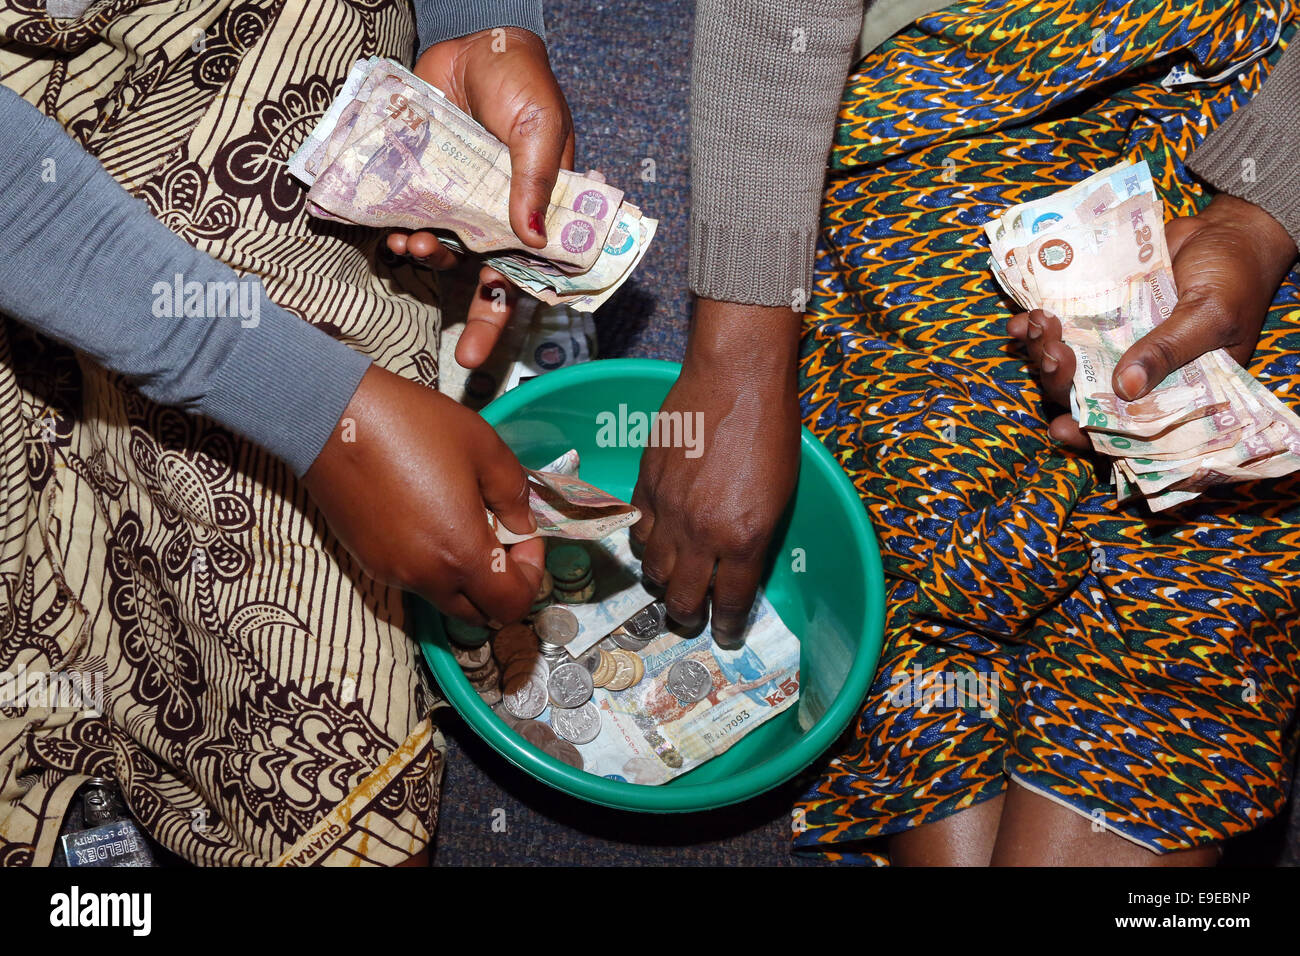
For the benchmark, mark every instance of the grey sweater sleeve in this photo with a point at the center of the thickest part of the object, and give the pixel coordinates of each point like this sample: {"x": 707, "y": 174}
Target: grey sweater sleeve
{"x": 766, "y": 79}
{"x": 438, "y": 20}
{"x": 1253, "y": 154}
{"x": 86, "y": 264}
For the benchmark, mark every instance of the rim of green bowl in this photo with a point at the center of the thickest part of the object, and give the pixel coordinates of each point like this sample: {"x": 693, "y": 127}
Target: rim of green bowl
{"x": 680, "y": 796}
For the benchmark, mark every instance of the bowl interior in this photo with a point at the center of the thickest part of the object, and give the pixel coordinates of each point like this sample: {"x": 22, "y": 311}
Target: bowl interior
{"x": 824, "y": 579}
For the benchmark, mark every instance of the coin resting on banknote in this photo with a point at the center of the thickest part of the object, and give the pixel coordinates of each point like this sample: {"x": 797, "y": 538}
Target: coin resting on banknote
{"x": 598, "y": 677}
{"x": 393, "y": 151}
{"x": 1095, "y": 256}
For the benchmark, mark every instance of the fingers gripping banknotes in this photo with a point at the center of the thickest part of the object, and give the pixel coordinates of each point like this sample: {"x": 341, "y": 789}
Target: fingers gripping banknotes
{"x": 392, "y": 151}
{"x": 565, "y": 506}
{"x": 1095, "y": 256}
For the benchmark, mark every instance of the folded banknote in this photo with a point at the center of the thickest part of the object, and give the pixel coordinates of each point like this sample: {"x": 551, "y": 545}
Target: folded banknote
{"x": 1095, "y": 256}
{"x": 392, "y": 151}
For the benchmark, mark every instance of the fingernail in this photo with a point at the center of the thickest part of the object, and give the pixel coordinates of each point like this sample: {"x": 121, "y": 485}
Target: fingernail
{"x": 1132, "y": 380}
{"x": 729, "y": 640}
{"x": 1035, "y": 330}
{"x": 1049, "y": 364}
{"x": 535, "y": 223}
{"x": 489, "y": 290}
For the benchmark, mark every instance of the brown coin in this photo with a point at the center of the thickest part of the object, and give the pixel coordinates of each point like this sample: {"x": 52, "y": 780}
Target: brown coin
{"x": 512, "y": 641}
{"x": 537, "y": 734}
{"x": 520, "y": 672}
{"x": 484, "y": 677}
{"x": 569, "y": 754}
{"x": 472, "y": 658}
{"x": 605, "y": 669}
{"x": 625, "y": 663}
{"x": 640, "y": 669}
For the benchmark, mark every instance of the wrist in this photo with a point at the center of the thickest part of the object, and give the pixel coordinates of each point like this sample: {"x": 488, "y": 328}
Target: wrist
{"x": 757, "y": 346}
{"x": 1273, "y": 245}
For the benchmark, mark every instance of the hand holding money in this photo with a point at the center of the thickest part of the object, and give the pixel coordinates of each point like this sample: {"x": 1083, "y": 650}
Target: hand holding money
{"x": 565, "y": 506}
{"x": 394, "y": 151}
{"x": 1227, "y": 263}
{"x": 403, "y": 483}
{"x": 1152, "y": 374}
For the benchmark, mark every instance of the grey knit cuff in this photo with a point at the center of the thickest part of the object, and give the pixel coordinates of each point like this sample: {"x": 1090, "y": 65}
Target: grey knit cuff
{"x": 751, "y": 265}
{"x": 1253, "y": 154}
{"x": 438, "y": 20}
{"x": 285, "y": 385}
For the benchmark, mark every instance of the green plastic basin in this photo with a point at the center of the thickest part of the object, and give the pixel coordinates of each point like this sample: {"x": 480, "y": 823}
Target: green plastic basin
{"x": 824, "y": 580}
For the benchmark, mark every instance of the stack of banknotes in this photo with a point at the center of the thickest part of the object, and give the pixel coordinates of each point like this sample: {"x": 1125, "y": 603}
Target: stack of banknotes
{"x": 393, "y": 151}
{"x": 1095, "y": 256}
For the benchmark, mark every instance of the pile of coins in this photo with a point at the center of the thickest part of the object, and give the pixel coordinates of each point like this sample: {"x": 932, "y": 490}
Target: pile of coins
{"x": 521, "y": 669}
{"x": 569, "y": 566}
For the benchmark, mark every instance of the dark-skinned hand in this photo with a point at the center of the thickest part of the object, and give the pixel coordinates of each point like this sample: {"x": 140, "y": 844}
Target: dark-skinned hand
{"x": 716, "y": 513}
{"x": 503, "y": 79}
{"x": 404, "y": 482}
{"x": 1228, "y": 264}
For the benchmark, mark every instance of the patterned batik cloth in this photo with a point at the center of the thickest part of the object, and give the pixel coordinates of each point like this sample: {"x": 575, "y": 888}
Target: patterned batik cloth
{"x": 1135, "y": 668}
{"x": 261, "y": 701}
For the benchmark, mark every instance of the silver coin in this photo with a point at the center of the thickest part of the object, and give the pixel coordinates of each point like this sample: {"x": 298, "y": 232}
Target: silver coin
{"x": 556, "y": 625}
{"x": 570, "y": 686}
{"x": 628, "y": 643}
{"x": 647, "y": 623}
{"x": 579, "y": 725}
{"x": 607, "y": 643}
{"x": 528, "y": 699}
{"x": 689, "y": 681}
{"x": 590, "y": 660}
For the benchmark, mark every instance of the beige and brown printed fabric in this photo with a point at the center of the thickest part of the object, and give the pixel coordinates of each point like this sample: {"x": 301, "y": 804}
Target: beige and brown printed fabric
{"x": 262, "y": 702}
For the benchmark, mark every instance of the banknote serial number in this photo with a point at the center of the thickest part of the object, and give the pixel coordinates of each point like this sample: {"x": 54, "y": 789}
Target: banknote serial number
{"x": 460, "y": 157}
{"x": 726, "y": 728}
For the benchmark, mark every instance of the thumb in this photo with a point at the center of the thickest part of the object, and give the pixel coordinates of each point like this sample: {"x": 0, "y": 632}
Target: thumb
{"x": 538, "y": 142}
{"x": 1193, "y": 329}
{"x": 504, "y": 486}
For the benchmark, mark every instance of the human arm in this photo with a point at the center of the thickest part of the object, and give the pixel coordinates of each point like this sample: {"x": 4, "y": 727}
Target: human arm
{"x": 86, "y": 264}
{"x": 766, "y": 83}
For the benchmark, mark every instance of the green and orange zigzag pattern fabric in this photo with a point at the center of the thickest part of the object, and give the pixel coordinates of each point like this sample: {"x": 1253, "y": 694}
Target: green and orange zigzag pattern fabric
{"x": 1145, "y": 672}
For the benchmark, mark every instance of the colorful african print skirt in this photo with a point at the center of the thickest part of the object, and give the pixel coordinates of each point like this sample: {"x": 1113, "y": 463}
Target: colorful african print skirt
{"x": 1139, "y": 669}
{"x": 254, "y": 694}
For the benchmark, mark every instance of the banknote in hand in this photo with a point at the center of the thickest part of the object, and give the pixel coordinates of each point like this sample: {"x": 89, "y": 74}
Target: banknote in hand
{"x": 1095, "y": 256}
